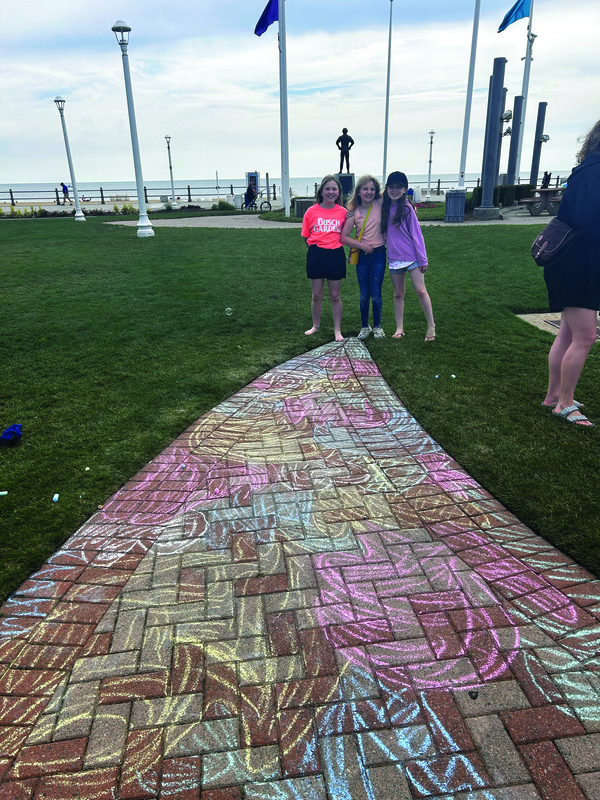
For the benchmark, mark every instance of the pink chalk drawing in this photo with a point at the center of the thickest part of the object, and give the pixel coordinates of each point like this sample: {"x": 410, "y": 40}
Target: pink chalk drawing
{"x": 390, "y": 590}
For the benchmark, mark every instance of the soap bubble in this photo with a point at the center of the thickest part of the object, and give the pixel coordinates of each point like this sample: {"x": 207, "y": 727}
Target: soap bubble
{"x": 228, "y": 311}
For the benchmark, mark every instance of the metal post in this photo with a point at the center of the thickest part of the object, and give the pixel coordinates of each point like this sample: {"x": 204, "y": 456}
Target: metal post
{"x": 173, "y": 203}
{"x": 268, "y": 189}
{"x": 144, "y": 226}
{"x": 387, "y": 98}
{"x": 466, "y": 124}
{"x": 487, "y": 210}
{"x": 514, "y": 141}
{"x": 526, "y": 72}
{"x": 540, "y": 138}
{"x": 499, "y": 144}
{"x": 60, "y": 104}
{"x": 428, "y": 195}
{"x": 283, "y": 112}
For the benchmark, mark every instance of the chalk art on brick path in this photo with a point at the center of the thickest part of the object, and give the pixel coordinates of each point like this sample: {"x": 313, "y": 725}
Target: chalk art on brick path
{"x": 302, "y": 597}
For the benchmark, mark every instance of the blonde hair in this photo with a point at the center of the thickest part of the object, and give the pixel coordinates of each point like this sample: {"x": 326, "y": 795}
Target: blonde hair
{"x": 326, "y": 179}
{"x": 355, "y": 201}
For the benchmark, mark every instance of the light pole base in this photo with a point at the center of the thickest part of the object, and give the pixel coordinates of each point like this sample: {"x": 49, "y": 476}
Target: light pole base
{"x": 144, "y": 227}
{"x": 80, "y": 216}
{"x": 144, "y": 233}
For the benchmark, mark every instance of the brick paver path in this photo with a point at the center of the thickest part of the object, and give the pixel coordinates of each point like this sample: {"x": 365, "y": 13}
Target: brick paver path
{"x": 303, "y": 598}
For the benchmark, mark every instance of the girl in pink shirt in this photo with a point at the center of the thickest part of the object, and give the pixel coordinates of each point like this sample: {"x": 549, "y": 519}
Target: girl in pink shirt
{"x": 326, "y": 259}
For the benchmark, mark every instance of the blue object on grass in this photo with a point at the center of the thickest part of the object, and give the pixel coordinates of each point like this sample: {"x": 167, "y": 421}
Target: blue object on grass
{"x": 12, "y": 433}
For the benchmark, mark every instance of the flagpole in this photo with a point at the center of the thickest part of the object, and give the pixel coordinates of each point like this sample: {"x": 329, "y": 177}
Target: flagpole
{"x": 387, "y": 97}
{"x": 467, "y": 122}
{"x": 283, "y": 112}
{"x": 526, "y": 72}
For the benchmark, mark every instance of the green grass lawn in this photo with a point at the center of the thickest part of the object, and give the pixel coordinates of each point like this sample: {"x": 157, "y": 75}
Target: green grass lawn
{"x": 111, "y": 345}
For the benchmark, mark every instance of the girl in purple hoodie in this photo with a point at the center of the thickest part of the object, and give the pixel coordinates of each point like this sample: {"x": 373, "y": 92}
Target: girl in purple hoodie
{"x": 405, "y": 250}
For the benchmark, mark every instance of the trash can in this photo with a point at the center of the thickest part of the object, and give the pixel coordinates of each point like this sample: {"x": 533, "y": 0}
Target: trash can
{"x": 417, "y": 194}
{"x": 238, "y": 200}
{"x": 455, "y": 205}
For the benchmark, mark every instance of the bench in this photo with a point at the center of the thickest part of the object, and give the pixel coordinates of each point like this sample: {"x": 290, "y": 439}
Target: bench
{"x": 544, "y": 202}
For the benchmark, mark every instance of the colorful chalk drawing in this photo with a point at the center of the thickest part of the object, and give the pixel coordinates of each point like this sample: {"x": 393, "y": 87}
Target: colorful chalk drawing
{"x": 304, "y": 586}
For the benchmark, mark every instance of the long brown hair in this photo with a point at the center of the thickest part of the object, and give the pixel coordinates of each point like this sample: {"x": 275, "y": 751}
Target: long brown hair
{"x": 325, "y": 180}
{"x": 591, "y": 143}
{"x": 354, "y": 201}
{"x": 402, "y": 210}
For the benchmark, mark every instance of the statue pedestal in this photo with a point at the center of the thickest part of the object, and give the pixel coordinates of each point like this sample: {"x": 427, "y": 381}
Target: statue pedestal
{"x": 347, "y": 181}
{"x": 486, "y": 213}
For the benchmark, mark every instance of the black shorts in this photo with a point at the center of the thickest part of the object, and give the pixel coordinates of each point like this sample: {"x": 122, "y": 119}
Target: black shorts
{"x": 327, "y": 264}
{"x": 574, "y": 280}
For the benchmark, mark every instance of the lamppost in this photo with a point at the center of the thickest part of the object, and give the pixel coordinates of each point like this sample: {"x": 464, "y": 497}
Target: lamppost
{"x": 60, "y": 104}
{"x": 144, "y": 226}
{"x": 173, "y": 203}
{"x": 428, "y": 195}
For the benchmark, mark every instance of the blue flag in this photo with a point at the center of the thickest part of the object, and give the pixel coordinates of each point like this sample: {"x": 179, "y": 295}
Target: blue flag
{"x": 268, "y": 17}
{"x": 522, "y": 8}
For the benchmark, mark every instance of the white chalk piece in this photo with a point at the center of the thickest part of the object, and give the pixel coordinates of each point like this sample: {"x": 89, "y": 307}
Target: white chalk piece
{"x": 55, "y": 499}
{"x": 3, "y": 493}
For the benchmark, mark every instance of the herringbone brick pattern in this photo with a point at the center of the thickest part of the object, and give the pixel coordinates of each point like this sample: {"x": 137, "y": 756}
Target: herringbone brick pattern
{"x": 303, "y": 597}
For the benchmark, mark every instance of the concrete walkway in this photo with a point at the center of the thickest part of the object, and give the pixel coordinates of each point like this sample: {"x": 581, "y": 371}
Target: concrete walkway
{"x": 303, "y": 598}
{"x": 513, "y": 215}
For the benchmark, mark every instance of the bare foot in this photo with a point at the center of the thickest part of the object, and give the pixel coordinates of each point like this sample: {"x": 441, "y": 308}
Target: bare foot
{"x": 311, "y": 331}
{"x": 430, "y": 334}
{"x": 339, "y": 337}
{"x": 398, "y": 335}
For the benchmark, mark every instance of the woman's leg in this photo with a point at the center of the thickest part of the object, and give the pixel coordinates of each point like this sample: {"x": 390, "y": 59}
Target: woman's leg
{"x": 318, "y": 285}
{"x": 398, "y": 282}
{"x": 581, "y": 323}
{"x": 557, "y": 352}
{"x": 363, "y": 275}
{"x": 418, "y": 282}
{"x": 335, "y": 295}
{"x": 377, "y": 273}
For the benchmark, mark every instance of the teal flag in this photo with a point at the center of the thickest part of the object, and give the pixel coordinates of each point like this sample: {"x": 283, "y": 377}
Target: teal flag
{"x": 522, "y": 8}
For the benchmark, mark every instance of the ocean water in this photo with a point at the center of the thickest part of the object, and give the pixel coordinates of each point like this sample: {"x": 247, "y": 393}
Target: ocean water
{"x": 122, "y": 191}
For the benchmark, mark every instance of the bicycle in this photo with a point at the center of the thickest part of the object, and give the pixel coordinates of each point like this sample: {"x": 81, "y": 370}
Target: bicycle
{"x": 265, "y": 205}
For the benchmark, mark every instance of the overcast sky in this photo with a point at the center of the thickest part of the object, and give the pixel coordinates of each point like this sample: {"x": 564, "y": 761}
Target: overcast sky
{"x": 201, "y": 75}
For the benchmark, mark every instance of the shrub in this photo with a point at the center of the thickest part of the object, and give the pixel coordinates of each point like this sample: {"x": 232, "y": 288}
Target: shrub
{"x": 223, "y": 205}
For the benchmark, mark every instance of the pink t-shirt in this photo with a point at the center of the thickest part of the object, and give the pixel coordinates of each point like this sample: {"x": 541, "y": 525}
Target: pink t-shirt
{"x": 372, "y": 233}
{"x": 323, "y": 226}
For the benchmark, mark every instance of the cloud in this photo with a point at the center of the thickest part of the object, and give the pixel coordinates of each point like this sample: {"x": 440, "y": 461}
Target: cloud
{"x": 201, "y": 76}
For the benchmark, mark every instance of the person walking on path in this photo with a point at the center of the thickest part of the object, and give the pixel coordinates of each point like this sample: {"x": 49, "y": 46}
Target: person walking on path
{"x": 573, "y": 283}
{"x": 65, "y": 191}
{"x": 364, "y": 215}
{"x": 326, "y": 258}
{"x": 405, "y": 250}
{"x": 344, "y": 143}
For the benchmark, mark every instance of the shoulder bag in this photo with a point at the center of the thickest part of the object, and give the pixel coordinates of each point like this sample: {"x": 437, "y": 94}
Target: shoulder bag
{"x": 553, "y": 242}
{"x": 354, "y": 251}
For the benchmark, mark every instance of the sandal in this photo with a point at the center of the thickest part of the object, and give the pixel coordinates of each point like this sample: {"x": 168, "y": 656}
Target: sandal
{"x": 578, "y": 419}
{"x": 430, "y": 334}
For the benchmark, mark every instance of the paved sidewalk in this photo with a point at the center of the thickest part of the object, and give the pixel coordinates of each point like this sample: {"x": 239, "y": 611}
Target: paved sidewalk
{"x": 303, "y": 598}
{"x": 513, "y": 215}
